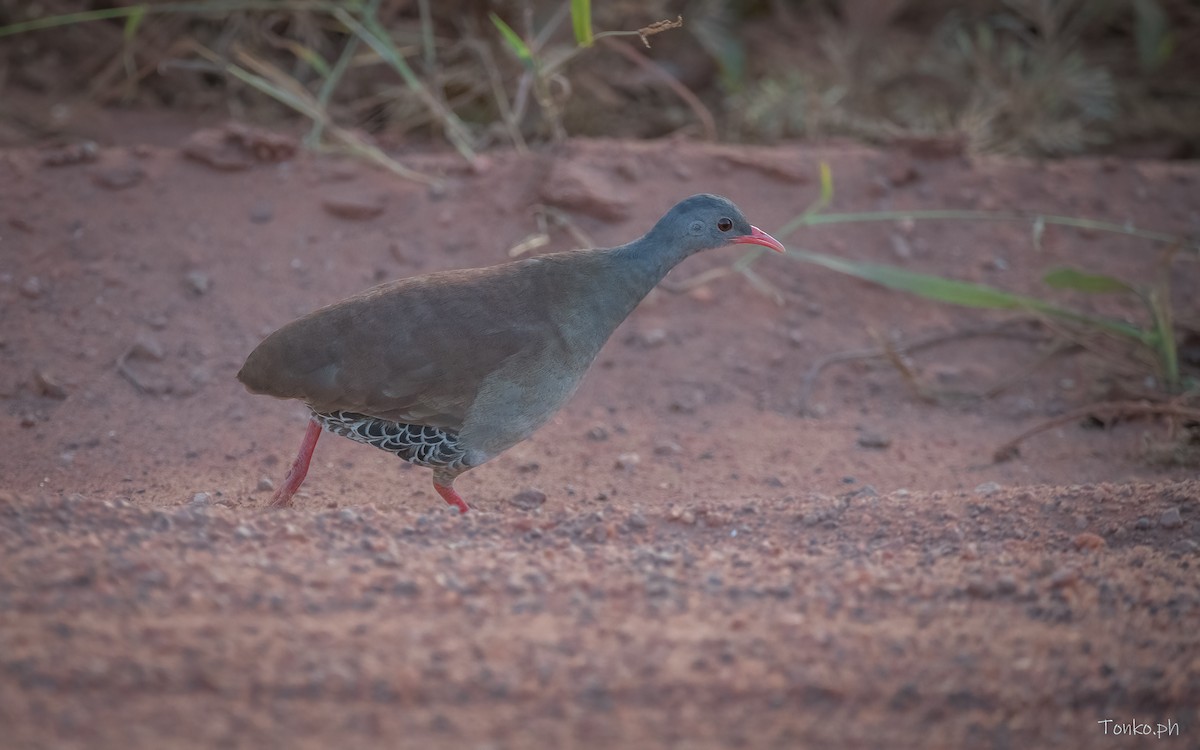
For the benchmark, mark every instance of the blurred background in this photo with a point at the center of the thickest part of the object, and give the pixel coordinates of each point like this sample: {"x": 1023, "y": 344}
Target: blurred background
{"x": 1027, "y": 77}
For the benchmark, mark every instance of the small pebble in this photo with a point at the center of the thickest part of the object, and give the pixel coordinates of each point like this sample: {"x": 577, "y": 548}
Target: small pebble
{"x": 528, "y": 499}
{"x": 598, "y": 433}
{"x": 261, "y": 213}
{"x": 118, "y": 177}
{"x": 202, "y": 498}
{"x": 1142, "y": 524}
{"x": 987, "y": 488}
{"x": 652, "y": 338}
{"x": 146, "y": 346}
{"x": 1170, "y": 519}
{"x": 264, "y": 485}
{"x": 347, "y": 515}
{"x": 1088, "y": 540}
{"x": 873, "y": 441}
{"x": 1064, "y": 577}
{"x": 198, "y": 281}
{"x": 667, "y": 448}
{"x": 353, "y": 205}
{"x": 627, "y": 461}
{"x": 49, "y": 386}
{"x": 32, "y": 287}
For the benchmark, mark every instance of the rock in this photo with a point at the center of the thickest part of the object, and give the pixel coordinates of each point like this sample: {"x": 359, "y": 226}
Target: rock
{"x": 627, "y": 461}
{"x": 649, "y": 339}
{"x": 118, "y": 176}
{"x": 667, "y": 448}
{"x": 353, "y": 205}
{"x": 1088, "y": 540}
{"x": 264, "y": 485}
{"x": 988, "y": 488}
{"x": 146, "y": 346}
{"x": 209, "y": 147}
{"x": 598, "y": 433}
{"x": 1063, "y": 578}
{"x": 261, "y": 213}
{"x": 32, "y": 288}
{"x": 1142, "y": 524}
{"x": 198, "y": 281}
{"x": 579, "y": 187}
{"x": 48, "y": 386}
{"x": 793, "y": 171}
{"x": 1170, "y": 519}
{"x": 201, "y": 498}
{"x": 528, "y": 499}
{"x": 900, "y": 246}
{"x": 235, "y": 146}
{"x": 873, "y": 440}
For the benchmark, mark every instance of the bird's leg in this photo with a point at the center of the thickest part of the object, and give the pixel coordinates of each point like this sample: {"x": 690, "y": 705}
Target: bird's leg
{"x": 296, "y": 474}
{"x": 450, "y": 496}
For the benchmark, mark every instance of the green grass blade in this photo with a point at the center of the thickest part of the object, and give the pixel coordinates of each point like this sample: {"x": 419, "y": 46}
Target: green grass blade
{"x": 210, "y": 7}
{"x": 581, "y": 22}
{"x": 1081, "y": 281}
{"x": 377, "y": 38}
{"x": 955, "y": 292}
{"x": 812, "y": 220}
{"x": 514, "y": 41}
{"x": 133, "y": 21}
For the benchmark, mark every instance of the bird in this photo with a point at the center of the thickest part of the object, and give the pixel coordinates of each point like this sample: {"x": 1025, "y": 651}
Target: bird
{"x": 449, "y": 369}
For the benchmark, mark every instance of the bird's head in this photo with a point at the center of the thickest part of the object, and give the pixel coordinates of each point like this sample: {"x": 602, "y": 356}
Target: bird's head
{"x": 705, "y": 221}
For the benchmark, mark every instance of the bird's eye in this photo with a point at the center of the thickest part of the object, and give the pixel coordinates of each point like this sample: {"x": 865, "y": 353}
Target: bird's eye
{"x": 724, "y": 224}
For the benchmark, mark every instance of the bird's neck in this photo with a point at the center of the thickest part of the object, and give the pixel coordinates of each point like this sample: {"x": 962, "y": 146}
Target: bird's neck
{"x": 647, "y": 260}
{"x": 599, "y": 288}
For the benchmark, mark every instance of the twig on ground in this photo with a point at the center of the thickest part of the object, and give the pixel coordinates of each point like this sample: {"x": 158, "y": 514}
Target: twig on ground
{"x": 1006, "y": 329}
{"x": 903, "y": 365}
{"x": 1060, "y": 347}
{"x": 1010, "y": 449}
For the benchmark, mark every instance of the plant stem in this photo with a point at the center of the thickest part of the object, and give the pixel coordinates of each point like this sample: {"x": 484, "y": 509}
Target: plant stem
{"x": 810, "y": 220}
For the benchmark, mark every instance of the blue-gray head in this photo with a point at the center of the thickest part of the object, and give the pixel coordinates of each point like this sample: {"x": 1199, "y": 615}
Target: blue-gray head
{"x": 707, "y": 221}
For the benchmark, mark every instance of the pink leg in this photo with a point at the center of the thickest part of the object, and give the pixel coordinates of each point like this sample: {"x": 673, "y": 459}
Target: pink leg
{"x": 296, "y": 474}
{"x": 449, "y": 495}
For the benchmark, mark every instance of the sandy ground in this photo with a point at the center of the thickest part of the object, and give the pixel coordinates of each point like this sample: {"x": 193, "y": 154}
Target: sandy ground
{"x": 724, "y": 557}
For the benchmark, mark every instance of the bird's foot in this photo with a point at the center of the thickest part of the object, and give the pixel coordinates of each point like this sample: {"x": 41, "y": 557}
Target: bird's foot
{"x": 453, "y": 498}
{"x": 299, "y": 469}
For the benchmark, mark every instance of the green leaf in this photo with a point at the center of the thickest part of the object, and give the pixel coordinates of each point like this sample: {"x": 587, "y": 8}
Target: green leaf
{"x": 581, "y": 21}
{"x": 826, "y": 184}
{"x": 955, "y": 292}
{"x": 133, "y": 21}
{"x": 311, "y": 57}
{"x": 1081, "y": 281}
{"x": 514, "y": 41}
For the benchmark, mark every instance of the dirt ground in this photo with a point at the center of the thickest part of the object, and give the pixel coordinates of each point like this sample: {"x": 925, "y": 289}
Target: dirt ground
{"x": 723, "y": 558}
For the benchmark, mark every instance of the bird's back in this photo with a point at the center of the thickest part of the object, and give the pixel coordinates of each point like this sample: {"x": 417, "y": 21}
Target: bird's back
{"x": 419, "y": 349}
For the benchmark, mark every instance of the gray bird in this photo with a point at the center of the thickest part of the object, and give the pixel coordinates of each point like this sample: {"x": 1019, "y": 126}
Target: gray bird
{"x": 450, "y": 369}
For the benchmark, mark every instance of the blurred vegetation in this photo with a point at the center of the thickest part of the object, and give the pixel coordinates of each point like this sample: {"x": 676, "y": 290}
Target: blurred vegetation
{"x": 1040, "y": 77}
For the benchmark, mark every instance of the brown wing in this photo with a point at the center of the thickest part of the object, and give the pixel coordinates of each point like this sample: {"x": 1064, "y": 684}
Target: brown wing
{"x": 414, "y": 351}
